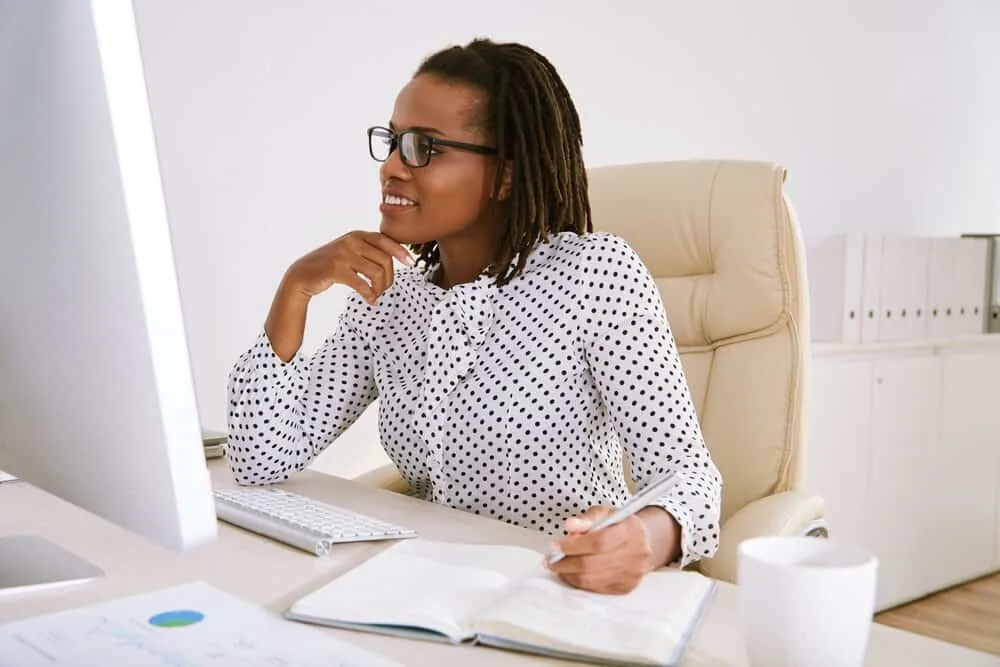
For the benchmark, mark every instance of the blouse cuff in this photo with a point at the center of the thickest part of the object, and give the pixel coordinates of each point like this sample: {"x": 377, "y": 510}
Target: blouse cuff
{"x": 272, "y": 371}
{"x": 682, "y": 515}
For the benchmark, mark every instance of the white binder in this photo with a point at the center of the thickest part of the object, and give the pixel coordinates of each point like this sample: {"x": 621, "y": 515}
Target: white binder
{"x": 914, "y": 313}
{"x": 871, "y": 288}
{"x": 835, "y": 270}
{"x": 903, "y": 294}
{"x": 942, "y": 288}
{"x": 970, "y": 281}
{"x": 893, "y": 289}
{"x": 991, "y": 288}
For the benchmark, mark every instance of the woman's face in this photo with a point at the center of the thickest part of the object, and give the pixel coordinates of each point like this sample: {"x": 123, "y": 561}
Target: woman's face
{"x": 447, "y": 197}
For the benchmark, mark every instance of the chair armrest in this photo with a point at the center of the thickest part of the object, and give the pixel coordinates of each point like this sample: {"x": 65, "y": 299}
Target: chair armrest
{"x": 787, "y": 513}
{"x": 385, "y": 477}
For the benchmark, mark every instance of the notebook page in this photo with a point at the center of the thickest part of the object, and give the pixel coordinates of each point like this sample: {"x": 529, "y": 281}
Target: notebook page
{"x": 432, "y": 585}
{"x": 647, "y": 625}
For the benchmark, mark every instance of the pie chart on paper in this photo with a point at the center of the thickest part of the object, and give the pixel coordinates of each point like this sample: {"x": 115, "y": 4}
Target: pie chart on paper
{"x": 180, "y": 618}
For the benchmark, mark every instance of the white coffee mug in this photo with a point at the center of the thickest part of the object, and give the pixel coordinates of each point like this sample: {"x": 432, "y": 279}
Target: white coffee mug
{"x": 806, "y": 601}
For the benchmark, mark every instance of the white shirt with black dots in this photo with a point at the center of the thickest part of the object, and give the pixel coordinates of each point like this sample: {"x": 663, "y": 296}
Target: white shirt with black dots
{"x": 513, "y": 402}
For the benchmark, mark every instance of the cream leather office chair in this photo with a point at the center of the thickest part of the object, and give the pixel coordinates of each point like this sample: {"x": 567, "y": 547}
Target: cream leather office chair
{"x": 723, "y": 244}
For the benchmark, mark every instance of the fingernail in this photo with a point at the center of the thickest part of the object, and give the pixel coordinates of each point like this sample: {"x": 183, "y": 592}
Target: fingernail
{"x": 409, "y": 261}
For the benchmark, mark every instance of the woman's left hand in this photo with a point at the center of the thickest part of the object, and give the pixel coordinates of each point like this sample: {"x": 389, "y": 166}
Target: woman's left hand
{"x": 611, "y": 560}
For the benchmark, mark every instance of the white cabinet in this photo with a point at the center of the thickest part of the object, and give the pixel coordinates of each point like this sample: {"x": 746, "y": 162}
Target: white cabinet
{"x": 836, "y": 461}
{"x": 968, "y": 455}
{"x": 902, "y": 495}
{"x": 904, "y": 444}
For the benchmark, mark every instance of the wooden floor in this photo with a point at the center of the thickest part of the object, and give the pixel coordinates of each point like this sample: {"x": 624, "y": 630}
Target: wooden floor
{"x": 968, "y": 615}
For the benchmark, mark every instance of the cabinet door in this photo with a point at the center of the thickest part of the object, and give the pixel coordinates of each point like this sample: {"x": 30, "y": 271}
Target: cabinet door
{"x": 835, "y": 461}
{"x": 964, "y": 521}
{"x": 903, "y": 484}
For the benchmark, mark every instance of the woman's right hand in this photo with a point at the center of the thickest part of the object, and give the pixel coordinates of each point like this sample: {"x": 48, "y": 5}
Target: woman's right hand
{"x": 338, "y": 262}
{"x": 344, "y": 260}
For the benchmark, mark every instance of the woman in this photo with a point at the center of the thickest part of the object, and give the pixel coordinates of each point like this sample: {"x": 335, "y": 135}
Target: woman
{"x": 516, "y": 354}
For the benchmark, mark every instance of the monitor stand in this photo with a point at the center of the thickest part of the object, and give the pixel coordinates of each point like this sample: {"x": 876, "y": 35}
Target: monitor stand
{"x": 29, "y": 562}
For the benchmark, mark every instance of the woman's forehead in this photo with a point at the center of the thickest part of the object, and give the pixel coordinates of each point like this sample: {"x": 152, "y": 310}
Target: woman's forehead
{"x": 428, "y": 102}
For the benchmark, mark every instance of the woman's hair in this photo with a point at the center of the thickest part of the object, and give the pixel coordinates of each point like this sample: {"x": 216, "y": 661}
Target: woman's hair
{"x": 530, "y": 113}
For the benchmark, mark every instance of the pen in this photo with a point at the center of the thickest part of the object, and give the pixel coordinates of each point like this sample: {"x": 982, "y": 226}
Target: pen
{"x": 634, "y": 504}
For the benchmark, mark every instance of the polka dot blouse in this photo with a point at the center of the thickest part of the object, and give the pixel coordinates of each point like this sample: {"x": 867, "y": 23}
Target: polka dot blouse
{"x": 515, "y": 403}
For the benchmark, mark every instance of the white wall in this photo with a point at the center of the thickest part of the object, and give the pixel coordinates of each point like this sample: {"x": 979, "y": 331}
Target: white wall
{"x": 885, "y": 112}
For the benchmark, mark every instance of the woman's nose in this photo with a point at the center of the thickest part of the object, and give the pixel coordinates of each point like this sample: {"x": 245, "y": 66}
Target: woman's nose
{"x": 393, "y": 167}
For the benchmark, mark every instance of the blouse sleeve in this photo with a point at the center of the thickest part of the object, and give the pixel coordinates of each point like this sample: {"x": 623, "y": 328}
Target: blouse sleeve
{"x": 282, "y": 415}
{"x": 635, "y": 362}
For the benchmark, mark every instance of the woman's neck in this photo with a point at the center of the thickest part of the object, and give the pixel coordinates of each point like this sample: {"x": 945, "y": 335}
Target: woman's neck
{"x": 463, "y": 260}
{"x": 456, "y": 270}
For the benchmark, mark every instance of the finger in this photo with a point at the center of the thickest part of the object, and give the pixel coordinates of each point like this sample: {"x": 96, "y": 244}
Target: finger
{"x": 391, "y": 248}
{"x": 378, "y": 257}
{"x": 598, "y": 583}
{"x": 599, "y": 541}
{"x": 359, "y": 285}
{"x": 588, "y": 563}
{"x": 589, "y": 581}
{"x": 375, "y": 273}
{"x": 585, "y": 521}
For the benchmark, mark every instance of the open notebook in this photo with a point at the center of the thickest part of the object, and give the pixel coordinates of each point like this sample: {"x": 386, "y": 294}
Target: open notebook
{"x": 503, "y": 597}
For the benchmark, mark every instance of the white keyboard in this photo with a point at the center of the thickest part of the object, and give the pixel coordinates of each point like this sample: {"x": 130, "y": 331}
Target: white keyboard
{"x": 298, "y": 521}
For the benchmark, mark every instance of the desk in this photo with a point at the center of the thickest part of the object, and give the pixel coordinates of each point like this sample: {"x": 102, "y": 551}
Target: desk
{"x": 270, "y": 574}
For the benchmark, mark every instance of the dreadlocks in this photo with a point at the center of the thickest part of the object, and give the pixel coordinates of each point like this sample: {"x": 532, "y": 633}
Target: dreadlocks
{"x": 531, "y": 114}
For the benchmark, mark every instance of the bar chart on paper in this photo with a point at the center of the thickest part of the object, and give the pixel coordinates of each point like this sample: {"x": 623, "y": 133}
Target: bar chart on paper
{"x": 193, "y": 625}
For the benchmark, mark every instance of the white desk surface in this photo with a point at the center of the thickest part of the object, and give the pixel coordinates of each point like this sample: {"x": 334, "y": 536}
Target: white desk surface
{"x": 270, "y": 574}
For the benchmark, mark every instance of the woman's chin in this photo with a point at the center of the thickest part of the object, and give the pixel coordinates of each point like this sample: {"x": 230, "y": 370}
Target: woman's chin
{"x": 400, "y": 232}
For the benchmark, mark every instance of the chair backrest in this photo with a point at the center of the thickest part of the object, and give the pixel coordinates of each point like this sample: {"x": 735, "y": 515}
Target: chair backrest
{"x": 723, "y": 243}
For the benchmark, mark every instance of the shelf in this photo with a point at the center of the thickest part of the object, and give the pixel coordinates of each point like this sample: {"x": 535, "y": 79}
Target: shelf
{"x": 926, "y": 345}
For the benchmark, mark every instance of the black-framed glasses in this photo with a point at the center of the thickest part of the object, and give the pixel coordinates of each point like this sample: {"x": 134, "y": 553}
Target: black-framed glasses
{"x": 415, "y": 147}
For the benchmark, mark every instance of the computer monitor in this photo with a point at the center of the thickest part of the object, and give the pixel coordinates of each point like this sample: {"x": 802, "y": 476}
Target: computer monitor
{"x": 97, "y": 399}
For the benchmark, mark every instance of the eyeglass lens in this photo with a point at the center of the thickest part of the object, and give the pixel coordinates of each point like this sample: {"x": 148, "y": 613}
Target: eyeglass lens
{"x": 415, "y": 148}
